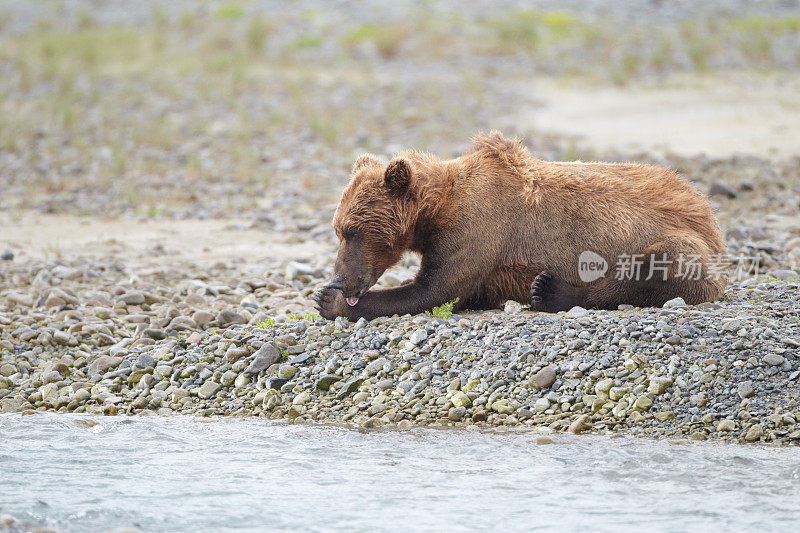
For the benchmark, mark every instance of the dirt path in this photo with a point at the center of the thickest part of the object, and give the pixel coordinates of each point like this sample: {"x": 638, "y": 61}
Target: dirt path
{"x": 688, "y": 115}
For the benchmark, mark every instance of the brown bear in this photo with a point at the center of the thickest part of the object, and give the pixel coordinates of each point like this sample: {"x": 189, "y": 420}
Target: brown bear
{"x": 498, "y": 224}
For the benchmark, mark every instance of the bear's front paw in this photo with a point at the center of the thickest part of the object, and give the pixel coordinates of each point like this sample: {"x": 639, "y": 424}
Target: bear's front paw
{"x": 329, "y": 302}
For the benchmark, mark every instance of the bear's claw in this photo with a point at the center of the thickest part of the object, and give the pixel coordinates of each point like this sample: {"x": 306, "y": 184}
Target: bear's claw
{"x": 325, "y": 299}
{"x": 550, "y": 294}
{"x": 539, "y": 289}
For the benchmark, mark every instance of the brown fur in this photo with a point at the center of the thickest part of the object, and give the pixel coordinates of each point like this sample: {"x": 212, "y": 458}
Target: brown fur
{"x": 490, "y": 222}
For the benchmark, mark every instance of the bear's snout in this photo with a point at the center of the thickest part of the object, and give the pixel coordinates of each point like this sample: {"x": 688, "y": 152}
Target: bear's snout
{"x": 336, "y": 283}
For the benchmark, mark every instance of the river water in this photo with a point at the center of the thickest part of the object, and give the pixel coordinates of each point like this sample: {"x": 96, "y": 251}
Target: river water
{"x": 77, "y": 473}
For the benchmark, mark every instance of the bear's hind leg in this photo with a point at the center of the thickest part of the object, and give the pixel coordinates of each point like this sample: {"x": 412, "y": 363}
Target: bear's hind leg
{"x": 502, "y": 284}
{"x": 551, "y": 294}
{"x": 662, "y": 275}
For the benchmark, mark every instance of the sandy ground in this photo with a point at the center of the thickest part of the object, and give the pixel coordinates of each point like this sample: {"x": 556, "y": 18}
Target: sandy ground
{"x": 687, "y": 115}
{"x": 154, "y": 241}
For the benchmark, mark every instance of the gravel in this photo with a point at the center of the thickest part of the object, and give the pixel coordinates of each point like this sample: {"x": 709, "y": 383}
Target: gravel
{"x": 733, "y": 375}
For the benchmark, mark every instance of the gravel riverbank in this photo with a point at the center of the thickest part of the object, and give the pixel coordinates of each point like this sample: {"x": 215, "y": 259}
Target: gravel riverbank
{"x": 728, "y": 370}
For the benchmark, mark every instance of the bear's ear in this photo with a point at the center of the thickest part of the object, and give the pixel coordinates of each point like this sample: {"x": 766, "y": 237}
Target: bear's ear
{"x": 398, "y": 175}
{"x": 365, "y": 160}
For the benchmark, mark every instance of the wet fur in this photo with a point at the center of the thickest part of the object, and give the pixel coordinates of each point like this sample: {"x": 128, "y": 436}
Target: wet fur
{"x": 489, "y": 222}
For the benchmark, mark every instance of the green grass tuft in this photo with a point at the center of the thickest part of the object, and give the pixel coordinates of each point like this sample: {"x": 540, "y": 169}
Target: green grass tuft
{"x": 443, "y": 311}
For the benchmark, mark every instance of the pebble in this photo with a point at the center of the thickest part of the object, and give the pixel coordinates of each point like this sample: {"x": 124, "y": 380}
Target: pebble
{"x": 542, "y": 404}
{"x": 675, "y": 302}
{"x": 275, "y": 382}
{"x": 745, "y": 389}
{"x": 544, "y": 377}
{"x": 754, "y": 433}
{"x": 208, "y": 389}
{"x": 460, "y": 399}
{"x": 579, "y": 424}
{"x": 326, "y": 380}
{"x": 773, "y": 359}
{"x": 659, "y": 384}
{"x": 263, "y": 358}
{"x": 155, "y": 334}
{"x": 302, "y": 398}
{"x": 418, "y": 337}
{"x": 201, "y": 318}
{"x": 576, "y": 312}
{"x": 132, "y": 298}
{"x": 349, "y": 387}
{"x": 457, "y": 413}
{"x": 227, "y": 317}
{"x": 103, "y": 364}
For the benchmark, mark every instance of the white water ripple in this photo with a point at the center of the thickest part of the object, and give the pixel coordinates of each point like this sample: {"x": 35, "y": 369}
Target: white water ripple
{"x": 188, "y": 474}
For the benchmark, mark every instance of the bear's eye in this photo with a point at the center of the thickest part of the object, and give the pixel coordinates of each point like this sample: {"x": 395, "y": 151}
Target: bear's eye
{"x": 350, "y": 235}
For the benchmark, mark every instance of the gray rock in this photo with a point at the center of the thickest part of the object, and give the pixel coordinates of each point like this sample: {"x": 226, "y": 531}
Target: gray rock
{"x": 754, "y": 433}
{"x": 81, "y": 395}
{"x": 7, "y": 255}
{"x": 302, "y": 398}
{"x": 226, "y": 317}
{"x": 349, "y": 387}
{"x": 145, "y": 361}
{"x": 418, "y": 336}
{"x": 576, "y": 312}
{"x": 208, "y": 389}
{"x": 132, "y": 298}
{"x": 63, "y": 338}
{"x": 155, "y": 334}
{"x": 774, "y": 359}
{"x": 228, "y": 377}
{"x": 287, "y": 371}
{"x": 201, "y": 318}
{"x": 544, "y": 377}
{"x": 791, "y": 342}
{"x": 659, "y": 385}
{"x": 103, "y": 363}
{"x": 374, "y": 367}
{"x": 406, "y": 385}
{"x": 18, "y": 298}
{"x": 294, "y": 270}
{"x": 579, "y": 424}
{"x": 745, "y": 389}
{"x": 456, "y": 413}
{"x": 302, "y": 358}
{"x": 263, "y": 358}
{"x": 326, "y": 380}
{"x": 675, "y": 302}
{"x": 276, "y": 382}
{"x": 717, "y": 188}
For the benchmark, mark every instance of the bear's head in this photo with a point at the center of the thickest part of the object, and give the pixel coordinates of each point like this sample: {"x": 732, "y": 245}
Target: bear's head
{"x": 374, "y": 223}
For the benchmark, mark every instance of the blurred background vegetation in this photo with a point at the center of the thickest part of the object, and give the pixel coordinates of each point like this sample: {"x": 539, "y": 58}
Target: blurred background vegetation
{"x": 204, "y": 108}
